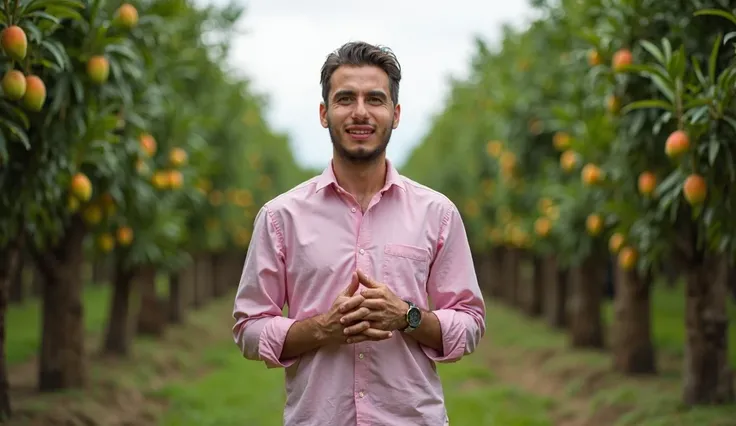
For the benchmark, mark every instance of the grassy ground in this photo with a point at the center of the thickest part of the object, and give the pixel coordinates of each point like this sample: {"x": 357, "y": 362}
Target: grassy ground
{"x": 522, "y": 375}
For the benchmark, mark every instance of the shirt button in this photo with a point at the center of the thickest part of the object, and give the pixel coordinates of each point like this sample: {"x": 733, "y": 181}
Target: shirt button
{"x": 360, "y": 394}
{"x": 353, "y": 210}
{"x": 361, "y": 251}
{"x": 361, "y": 356}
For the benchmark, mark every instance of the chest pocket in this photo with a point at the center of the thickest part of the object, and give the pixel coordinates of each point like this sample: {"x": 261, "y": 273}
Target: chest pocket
{"x": 405, "y": 271}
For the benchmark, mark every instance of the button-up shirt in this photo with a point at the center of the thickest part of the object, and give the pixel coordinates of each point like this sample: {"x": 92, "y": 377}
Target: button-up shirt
{"x": 305, "y": 245}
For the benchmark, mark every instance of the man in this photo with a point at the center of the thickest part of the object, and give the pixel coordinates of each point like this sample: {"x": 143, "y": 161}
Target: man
{"x": 355, "y": 253}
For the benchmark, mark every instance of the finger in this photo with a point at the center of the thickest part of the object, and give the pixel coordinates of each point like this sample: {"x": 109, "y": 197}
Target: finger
{"x": 351, "y": 304}
{"x": 355, "y": 315}
{"x": 357, "y": 339}
{"x": 376, "y": 334}
{"x": 370, "y": 334}
{"x": 357, "y": 328}
{"x": 372, "y": 293}
{"x": 352, "y": 287}
{"x": 367, "y": 281}
{"x": 373, "y": 304}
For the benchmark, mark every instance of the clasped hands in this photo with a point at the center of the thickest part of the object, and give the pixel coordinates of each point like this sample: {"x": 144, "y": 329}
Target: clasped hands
{"x": 373, "y": 314}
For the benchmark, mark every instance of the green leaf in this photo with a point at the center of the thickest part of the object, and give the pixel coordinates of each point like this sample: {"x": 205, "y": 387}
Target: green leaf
{"x": 17, "y": 131}
{"x": 653, "y": 50}
{"x": 647, "y": 104}
{"x": 716, "y": 12}
{"x": 713, "y": 148}
{"x": 713, "y": 61}
{"x": 57, "y": 52}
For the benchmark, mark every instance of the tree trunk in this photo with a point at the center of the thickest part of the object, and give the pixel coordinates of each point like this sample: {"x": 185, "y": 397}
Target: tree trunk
{"x": 9, "y": 259}
{"x": 177, "y": 299}
{"x": 535, "y": 287}
{"x": 708, "y": 378}
{"x": 484, "y": 271}
{"x": 511, "y": 275}
{"x": 203, "y": 284}
{"x": 188, "y": 283}
{"x": 152, "y": 315}
{"x": 119, "y": 334}
{"x": 555, "y": 293}
{"x": 62, "y": 358}
{"x": 16, "y": 281}
{"x": 496, "y": 265}
{"x": 586, "y": 324}
{"x": 631, "y": 331}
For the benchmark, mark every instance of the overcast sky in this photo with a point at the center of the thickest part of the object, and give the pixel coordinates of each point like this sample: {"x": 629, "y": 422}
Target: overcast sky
{"x": 288, "y": 40}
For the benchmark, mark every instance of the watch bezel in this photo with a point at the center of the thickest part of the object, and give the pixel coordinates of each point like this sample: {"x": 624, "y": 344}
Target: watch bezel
{"x": 412, "y": 312}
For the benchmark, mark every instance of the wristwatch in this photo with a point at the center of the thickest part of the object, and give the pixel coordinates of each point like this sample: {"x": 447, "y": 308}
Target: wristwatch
{"x": 413, "y": 317}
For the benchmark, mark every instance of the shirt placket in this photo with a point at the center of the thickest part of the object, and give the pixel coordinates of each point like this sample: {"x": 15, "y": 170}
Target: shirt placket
{"x": 362, "y": 350}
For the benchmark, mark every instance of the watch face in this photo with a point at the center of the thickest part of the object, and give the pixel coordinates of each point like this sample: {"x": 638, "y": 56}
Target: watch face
{"x": 415, "y": 316}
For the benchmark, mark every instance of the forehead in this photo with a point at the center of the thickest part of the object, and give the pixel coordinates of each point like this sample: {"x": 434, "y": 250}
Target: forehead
{"x": 359, "y": 79}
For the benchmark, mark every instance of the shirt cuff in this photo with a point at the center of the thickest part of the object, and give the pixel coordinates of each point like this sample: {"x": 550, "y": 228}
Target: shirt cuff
{"x": 453, "y": 338}
{"x": 271, "y": 342}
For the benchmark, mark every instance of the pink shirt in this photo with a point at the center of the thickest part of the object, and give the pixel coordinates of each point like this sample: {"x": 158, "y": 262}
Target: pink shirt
{"x": 306, "y": 243}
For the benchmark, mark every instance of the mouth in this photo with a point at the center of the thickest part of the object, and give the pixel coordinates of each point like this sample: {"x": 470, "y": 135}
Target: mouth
{"x": 360, "y": 132}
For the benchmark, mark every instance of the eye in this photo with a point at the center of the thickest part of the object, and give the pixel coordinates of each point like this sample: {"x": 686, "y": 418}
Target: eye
{"x": 375, "y": 100}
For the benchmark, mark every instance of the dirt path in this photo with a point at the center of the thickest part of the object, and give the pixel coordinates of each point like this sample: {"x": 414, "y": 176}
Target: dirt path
{"x": 123, "y": 391}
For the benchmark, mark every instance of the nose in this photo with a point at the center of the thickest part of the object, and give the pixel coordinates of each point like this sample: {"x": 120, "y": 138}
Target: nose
{"x": 360, "y": 111}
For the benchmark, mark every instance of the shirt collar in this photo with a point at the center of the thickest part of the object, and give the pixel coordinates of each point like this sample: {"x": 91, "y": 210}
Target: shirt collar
{"x": 392, "y": 178}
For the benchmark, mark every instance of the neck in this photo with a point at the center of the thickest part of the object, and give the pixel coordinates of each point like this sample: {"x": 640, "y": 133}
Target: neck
{"x": 360, "y": 179}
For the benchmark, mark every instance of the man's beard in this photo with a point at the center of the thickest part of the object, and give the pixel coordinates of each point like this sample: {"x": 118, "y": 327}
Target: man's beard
{"x": 360, "y": 156}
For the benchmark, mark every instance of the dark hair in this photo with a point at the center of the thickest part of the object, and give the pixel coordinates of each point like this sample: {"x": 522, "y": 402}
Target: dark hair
{"x": 359, "y": 53}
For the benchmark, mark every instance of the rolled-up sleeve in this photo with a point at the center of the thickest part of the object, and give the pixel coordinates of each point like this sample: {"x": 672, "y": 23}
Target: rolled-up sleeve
{"x": 260, "y": 329}
{"x": 454, "y": 290}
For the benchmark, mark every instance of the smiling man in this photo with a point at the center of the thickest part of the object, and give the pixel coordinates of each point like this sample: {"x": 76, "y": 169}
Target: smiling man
{"x": 357, "y": 254}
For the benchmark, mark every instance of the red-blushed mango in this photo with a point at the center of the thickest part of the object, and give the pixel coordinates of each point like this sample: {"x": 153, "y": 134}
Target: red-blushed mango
{"x": 14, "y": 85}
{"x": 542, "y": 226}
{"x": 35, "y": 95}
{"x": 647, "y": 183}
{"x": 177, "y": 157}
{"x": 126, "y": 16}
{"x": 622, "y": 58}
{"x": 594, "y": 224}
{"x": 591, "y": 174}
{"x": 678, "y": 142}
{"x": 627, "y": 258}
{"x": 616, "y": 242}
{"x": 148, "y": 144}
{"x": 594, "y": 58}
{"x": 125, "y": 236}
{"x": 81, "y": 187}
{"x": 176, "y": 179}
{"x": 98, "y": 69}
{"x": 14, "y": 42}
{"x": 695, "y": 189}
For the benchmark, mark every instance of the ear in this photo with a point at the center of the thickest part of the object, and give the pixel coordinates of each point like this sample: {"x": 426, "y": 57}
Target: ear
{"x": 323, "y": 114}
{"x": 397, "y": 116}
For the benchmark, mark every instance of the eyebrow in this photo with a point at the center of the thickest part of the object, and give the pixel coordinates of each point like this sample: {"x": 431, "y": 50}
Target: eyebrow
{"x": 348, "y": 92}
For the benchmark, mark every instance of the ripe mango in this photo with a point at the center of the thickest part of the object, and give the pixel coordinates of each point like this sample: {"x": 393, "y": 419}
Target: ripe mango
{"x": 126, "y": 16}
{"x": 14, "y": 42}
{"x": 98, "y": 69}
{"x": 35, "y": 95}
{"x": 14, "y": 85}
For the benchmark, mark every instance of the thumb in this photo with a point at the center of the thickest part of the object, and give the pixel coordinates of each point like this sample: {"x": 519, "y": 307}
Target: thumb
{"x": 352, "y": 286}
{"x": 368, "y": 282}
